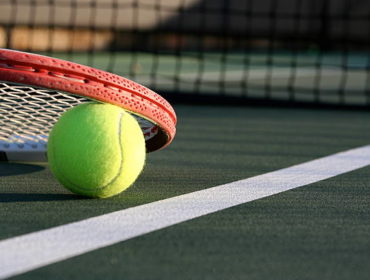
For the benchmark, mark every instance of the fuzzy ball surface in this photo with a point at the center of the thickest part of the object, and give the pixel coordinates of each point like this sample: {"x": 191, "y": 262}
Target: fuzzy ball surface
{"x": 96, "y": 150}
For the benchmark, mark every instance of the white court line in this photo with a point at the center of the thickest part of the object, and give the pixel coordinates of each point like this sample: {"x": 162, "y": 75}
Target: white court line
{"x": 30, "y": 251}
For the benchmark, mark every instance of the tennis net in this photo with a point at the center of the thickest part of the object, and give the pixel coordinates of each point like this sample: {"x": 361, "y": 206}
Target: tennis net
{"x": 290, "y": 51}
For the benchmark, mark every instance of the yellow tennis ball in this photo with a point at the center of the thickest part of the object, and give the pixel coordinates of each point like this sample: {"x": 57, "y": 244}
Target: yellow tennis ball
{"x": 96, "y": 150}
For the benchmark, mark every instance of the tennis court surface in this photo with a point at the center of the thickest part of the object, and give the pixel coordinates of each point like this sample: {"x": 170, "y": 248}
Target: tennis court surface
{"x": 268, "y": 175}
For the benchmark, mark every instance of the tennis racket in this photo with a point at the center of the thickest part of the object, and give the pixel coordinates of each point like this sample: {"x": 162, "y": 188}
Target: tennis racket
{"x": 36, "y": 90}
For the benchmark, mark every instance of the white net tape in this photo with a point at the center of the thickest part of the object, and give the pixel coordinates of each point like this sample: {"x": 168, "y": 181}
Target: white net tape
{"x": 27, "y": 114}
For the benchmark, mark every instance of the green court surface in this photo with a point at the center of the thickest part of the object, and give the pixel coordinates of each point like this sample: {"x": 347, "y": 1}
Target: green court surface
{"x": 319, "y": 231}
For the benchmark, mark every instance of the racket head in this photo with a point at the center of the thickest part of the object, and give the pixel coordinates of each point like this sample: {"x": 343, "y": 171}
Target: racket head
{"x": 35, "y": 90}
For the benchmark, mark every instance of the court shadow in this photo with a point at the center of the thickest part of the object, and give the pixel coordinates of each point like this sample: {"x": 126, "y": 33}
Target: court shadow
{"x": 9, "y": 169}
{"x": 34, "y": 197}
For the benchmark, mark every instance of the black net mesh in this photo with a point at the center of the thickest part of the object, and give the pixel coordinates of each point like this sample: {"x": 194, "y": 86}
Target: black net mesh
{"x": 295, "y": 51}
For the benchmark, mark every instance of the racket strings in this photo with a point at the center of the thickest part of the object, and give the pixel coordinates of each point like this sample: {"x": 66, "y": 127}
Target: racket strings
{"x": 27, "y": 114}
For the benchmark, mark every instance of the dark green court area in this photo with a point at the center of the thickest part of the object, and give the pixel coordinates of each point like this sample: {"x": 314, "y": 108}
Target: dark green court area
{"x": 320, "y": 231}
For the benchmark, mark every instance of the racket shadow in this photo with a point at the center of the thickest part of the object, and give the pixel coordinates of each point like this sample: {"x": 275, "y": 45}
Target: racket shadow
{"x": 13, "y": 169}
{"x": 37, "y": 197}
{"x": 9, "y": 169}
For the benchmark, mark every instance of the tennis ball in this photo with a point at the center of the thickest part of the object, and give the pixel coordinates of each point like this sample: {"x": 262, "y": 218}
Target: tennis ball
{"x": 96, "y": 150}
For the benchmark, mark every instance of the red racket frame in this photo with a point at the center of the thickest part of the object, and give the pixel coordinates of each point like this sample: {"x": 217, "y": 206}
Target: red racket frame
{"x": 60, "y": 75}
